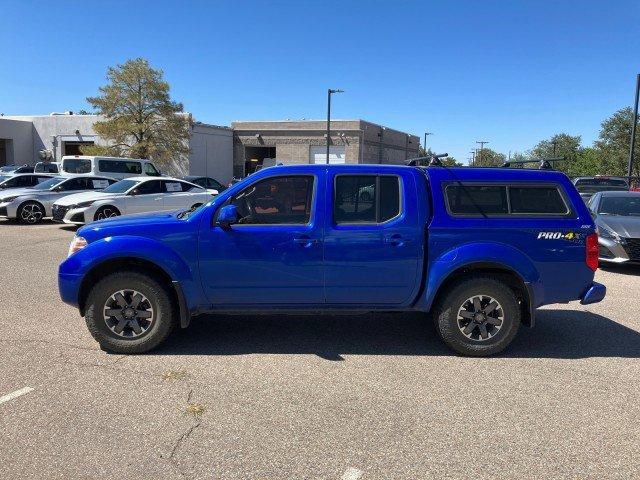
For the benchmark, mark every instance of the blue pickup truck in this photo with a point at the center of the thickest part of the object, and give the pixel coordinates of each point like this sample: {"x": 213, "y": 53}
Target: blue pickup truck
{"x": 476, "y": 249}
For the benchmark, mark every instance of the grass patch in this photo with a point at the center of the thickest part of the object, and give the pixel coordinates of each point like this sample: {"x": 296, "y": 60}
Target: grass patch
{"x": 171, "y": 375}
{"x": 194, "y": 409}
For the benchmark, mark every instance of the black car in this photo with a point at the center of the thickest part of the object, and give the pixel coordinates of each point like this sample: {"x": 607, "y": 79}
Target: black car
{"x": 206, "y": 182}
{"x": 587, "y": 186}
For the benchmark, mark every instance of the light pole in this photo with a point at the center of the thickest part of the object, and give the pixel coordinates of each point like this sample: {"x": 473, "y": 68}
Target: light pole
{"x": 329, "y": 93}
{"x": 473, "y": 157}
{"x": 425, "y": 141}
{"x": 482, "y": 143}
{"x": 632, "y": 147}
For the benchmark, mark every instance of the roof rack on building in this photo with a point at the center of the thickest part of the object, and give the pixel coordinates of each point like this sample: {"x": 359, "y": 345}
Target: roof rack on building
{"x": 543, "y": 163}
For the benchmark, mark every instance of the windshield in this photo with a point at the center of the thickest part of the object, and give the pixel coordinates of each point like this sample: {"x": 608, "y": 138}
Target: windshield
{"x": 120, "y": 187}
{"x": 52, "y": 182}
{"x": 626, "y": 206}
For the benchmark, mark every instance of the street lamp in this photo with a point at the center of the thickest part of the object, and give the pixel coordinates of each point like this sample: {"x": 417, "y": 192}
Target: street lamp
{"x": 329, "y": 93}
{"x": 425, "y": 141}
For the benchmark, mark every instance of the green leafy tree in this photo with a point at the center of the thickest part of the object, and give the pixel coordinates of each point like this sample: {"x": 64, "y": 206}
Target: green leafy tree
{"x": 614, "y": 141}
{"x": 450, "y": 162}
{"x": 140, "y": 119}
{"x": 489, "y": 158}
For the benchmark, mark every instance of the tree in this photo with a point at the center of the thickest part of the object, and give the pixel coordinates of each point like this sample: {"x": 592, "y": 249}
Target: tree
{"x": 489, "y": 158}
{"x": 140, "y": 119}
{"x": 614, "y": 141}
{"x": 560, "y": 145}
{"x": 450, "y": 162}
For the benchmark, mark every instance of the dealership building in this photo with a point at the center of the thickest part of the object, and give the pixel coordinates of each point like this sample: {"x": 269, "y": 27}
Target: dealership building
{"x": 217, "y": 151}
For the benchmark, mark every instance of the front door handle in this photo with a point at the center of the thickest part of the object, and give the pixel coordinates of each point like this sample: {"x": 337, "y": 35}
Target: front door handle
{"x": 305, "y": 241}
{"x": 396, "y": 240}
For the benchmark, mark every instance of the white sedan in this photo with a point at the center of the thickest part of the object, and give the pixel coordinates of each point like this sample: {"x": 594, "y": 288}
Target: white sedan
{"x": 31, "y": 205}
{"x": 131, "y": 195}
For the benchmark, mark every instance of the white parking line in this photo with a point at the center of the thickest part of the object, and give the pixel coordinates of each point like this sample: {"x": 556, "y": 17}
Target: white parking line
{"x": 352, "y": 474}
{"x": 16, "y": 394}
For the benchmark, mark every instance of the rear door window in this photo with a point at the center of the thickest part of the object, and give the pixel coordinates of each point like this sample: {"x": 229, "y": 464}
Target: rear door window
{"x": 120, "y": 166}
{"x": 366, "y": 198}
{"x": 150, "y": 187}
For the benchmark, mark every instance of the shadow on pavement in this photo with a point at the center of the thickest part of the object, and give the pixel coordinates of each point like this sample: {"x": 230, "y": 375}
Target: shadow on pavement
{"x": 557, "y": 334}
{"x": 623, "y": 269}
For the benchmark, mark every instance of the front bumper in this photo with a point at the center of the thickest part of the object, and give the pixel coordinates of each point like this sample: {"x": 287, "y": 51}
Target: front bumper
{"x": 8, "y": 210}
{"x": 624, "y": 250}
{"x": 75, "y": 216}
{"x": 594, "y": 294}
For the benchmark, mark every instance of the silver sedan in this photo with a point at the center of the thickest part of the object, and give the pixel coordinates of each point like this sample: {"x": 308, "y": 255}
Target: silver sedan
{"x": 31, "y": 205}
{"x": 617, "y": 218}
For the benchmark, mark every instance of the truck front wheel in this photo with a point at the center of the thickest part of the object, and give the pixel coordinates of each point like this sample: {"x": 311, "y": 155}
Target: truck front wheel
{"x": 129, "y": 312}
{"x": 478, "y": 316}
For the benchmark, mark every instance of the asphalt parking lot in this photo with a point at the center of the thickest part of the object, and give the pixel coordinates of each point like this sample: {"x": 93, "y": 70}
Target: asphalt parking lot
{"x": 370, "y": 397}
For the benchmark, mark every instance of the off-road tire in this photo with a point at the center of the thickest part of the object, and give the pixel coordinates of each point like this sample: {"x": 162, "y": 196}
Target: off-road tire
{"x": 445, "y": 315}
{"x": 160, "y": 298}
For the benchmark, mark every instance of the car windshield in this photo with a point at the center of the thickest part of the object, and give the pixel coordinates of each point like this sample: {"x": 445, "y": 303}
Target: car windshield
{"x": 121, "y": 186}
{"x": 52, "y": 182}
{"x": 628, "y": 206}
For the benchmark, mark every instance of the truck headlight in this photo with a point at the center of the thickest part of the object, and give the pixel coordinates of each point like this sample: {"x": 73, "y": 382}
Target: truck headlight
{"x": 77, "y": 244}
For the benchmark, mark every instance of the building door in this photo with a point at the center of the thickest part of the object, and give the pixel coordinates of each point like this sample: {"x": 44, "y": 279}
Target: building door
{"x": 73, "y": 148}
{"x": 254, "y": 156}
{"x": 318, "y": 154}
{"x": 3, "y": 152}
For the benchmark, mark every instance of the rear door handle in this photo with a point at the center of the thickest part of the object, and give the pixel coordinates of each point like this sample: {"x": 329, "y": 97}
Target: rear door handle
{"x": 306, "y": 241}
{"x": 396, "y": 240}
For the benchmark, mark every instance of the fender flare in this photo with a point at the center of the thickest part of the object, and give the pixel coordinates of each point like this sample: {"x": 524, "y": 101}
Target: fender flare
{"x": 101, "y": 252}
{"x": 489, "y": 254}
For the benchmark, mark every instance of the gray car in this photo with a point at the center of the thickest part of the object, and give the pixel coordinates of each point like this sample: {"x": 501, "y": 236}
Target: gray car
{"x": 617, "y": 218}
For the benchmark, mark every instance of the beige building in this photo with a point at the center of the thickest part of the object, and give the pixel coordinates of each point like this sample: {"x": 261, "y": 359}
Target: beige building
{"x": 304, "y": 141}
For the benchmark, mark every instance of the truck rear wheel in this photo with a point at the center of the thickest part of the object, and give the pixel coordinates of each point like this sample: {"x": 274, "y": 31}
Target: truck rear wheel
{"x": 478, "y": 316}
{"x": 129, "y": 312}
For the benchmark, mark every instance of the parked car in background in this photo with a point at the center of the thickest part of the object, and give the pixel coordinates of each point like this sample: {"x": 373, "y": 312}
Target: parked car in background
{"x": 587, "y": 186}
{"x": 206, "y": 182}
{"x": 22, "y": 180}
{"x": 31, "y": 205}
{"x": 617, "y": 218}
{"x": 130, "y": 195}
{"x": 113, "y": 167}
{"x": 16, "y": 169}
{"x": 478, "y": 248}
{"x": 47, "y": 167}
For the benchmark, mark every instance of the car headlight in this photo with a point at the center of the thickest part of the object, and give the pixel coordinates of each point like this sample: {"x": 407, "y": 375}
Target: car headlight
{"x": 83, "y": 204}
{"x": 604, "y": 232}
{"x": 77, "y": 244}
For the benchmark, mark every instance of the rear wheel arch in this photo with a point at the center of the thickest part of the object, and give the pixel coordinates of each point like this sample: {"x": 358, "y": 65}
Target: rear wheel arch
{"x": 499, "y": 272}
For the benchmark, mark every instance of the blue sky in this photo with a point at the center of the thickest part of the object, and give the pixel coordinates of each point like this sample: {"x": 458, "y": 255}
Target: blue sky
{"x": 510, "y": 72}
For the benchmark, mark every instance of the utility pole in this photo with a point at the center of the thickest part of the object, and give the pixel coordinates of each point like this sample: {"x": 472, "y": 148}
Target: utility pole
{"x": 473, "y": 156}
{"x": 329, "y": 93}
{"x": 554, "y": 142}
{"x": 482, "y": 144}
{"x": 632, "y": 147}
{"x": 425, "y": 141}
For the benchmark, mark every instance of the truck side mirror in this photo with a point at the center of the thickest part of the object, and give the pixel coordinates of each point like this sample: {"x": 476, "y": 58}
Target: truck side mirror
{"x": 227, "y": 216}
